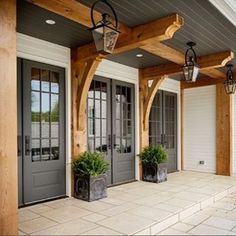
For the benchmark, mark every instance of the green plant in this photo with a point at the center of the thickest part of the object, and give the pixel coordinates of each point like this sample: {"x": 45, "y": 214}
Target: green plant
{"x": 90, "y": 164}
{"x": 155, "y": 154}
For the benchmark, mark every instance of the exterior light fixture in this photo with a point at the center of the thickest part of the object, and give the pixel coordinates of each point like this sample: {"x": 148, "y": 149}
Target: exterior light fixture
{"x": 191, "y": 68}
{"x": 139, "y": 55}
{"x": 230, "y": 83}
{"x": 105, "y": 33}
{"x": 50, "y": 22}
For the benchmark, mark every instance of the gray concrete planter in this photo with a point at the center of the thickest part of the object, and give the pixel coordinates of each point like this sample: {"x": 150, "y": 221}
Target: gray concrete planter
{"x": 154, "y": 173}
{"x": 90, "y": 188}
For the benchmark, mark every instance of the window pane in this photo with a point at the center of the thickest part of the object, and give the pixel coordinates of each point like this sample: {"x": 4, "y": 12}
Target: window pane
{"x": 35, "y": 102}
{"x": 104, "y": 109}
{"x": 90, "y": 127}
{"x": 91, "y": 145}
{"x": 97, "y": 89}
{"x": 98, "y": 146}
{"x": 45, "y": 150}
{"x": 104, "y": 128}
{"x": 45, "y": 129}
{"x": 104, "y": 90}
{"x": 54, "y": 149}
{"x": 54, "y": 129}
{"x": 35, "y": 150}
{"x": 35, "y": 128}
{"x": 90, "y": 108}
{"x": 35, "y": 79}
{"x": 97, "y": 109}
{"x": 54, "y": 105}
{"x": 45, "y": 86}
{"x": 97, "y": 127}
{"x": 45, "y": 103}
{"x": 54, "y": 82}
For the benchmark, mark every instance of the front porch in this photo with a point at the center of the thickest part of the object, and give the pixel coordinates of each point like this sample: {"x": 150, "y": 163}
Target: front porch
{"x": 134, "y": 208}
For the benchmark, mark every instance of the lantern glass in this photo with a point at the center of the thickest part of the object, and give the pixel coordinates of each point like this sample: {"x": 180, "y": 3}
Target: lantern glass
{"x": 191, "y": 71}
{"x": 105, "y": 38}
{"x": 230, "y": 86}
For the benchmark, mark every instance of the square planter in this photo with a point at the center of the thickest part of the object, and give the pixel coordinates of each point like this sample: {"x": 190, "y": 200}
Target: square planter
{"x": 155, "y": 173}
{"x": 90, "y": 188}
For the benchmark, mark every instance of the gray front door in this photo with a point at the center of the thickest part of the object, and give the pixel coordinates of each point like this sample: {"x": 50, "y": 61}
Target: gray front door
{"x": 111, "y": 126}
{"x": 163, "y": 125}
{"x": 43, "y": 132}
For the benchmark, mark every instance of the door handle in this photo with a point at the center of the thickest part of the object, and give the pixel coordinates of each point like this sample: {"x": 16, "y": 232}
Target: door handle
{"x": 163, "y": 140}
{"x": 19, "y": 145}
{"x": 109, "y": 141}
{"x": 114, "y": 141}
{"x": 27, "y": 145}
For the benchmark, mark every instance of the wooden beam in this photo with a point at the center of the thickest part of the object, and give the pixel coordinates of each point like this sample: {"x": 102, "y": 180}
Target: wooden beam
{"x": 223, "y": 131}
{"x": 201, "y": 82}
{"x": 8, "y": 120}
{"x": 207, "y": 62}
{"x": 158, "y": 30}
{"x": 75, "y": 11}
{"x": 177, "y": 57}
{"x": 82, "y": 76}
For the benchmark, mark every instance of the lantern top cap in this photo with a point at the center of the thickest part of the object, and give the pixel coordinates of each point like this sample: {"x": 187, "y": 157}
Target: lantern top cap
{"x": 229, "y": 66}
{"x": 191, "y": 44}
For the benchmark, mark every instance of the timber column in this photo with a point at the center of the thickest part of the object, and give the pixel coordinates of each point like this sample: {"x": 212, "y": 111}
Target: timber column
{"x": 8, "y": 120}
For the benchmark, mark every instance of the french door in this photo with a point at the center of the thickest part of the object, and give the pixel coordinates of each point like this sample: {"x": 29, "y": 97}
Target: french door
{"x": 41, "y": 131}
{"x": 163, "y": 125}
{"x": 111, "y": 126}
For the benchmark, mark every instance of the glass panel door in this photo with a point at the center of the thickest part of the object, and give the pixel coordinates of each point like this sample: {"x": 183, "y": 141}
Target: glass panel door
{"x": 43, "y": 131}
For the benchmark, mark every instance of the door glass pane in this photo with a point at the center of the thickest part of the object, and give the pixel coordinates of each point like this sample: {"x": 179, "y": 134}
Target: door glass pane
{"x": 45, "y": 85}
{"x": 35, "y": 79}
{"x": 35, "y": 103}
{"x": 54, "y": 82}
{"x": 45, "y": 150}
{"x": 97, "y": 109}
{"x": 104, "y": 91}
{"x": 97, "y": 89}
{"x": 35, "y": 150}
{"x": 45, "y": 115}
{"x": 45, "y": 128}
{"x": 54, "y": 149}
{"x": 35, "y": 129}
{"x": 90, "y": 108}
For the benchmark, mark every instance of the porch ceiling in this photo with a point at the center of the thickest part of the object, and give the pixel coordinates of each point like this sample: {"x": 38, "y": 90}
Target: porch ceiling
{"x": 204, "y": 24}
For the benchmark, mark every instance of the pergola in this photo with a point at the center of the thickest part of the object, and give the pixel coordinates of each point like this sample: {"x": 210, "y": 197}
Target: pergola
{"x": 85, "y": 60}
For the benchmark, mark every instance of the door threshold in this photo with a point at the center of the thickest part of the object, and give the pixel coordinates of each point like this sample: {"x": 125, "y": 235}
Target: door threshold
{"x": 42, "y": 201}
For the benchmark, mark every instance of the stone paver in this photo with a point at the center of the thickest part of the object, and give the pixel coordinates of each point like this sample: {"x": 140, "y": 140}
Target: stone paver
{"x": 188, "y": 203}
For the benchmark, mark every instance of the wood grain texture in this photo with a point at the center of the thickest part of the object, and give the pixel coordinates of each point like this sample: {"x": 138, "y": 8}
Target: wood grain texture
{"x": 173, "y": 55}
{"x": 82, "y": 76}
{"x": 73, "y": 10}
{"x": 207, "y": 62}
{"x": 158, "y": 30}
{"x": 8, "y": 121}
{"x": 223, "y": 132}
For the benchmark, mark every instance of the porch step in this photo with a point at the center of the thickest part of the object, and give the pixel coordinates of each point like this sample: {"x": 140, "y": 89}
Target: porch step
{"x": 188, "y": 211}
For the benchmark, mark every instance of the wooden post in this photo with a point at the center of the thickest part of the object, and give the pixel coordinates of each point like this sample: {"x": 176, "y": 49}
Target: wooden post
{"x": 223, "y": 131}
{"x": 8, "y": 119}
{"x": 182, "y": 128}
{"x": 146, "y": 97}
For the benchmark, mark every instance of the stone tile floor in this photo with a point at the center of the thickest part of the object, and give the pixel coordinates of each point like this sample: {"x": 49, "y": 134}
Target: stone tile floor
{"x": 188, "y": 203}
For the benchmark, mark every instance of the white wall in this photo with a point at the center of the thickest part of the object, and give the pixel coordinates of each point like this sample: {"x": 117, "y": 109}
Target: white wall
{"x": 234, "y": 133}
{"x": 200, "y": 128}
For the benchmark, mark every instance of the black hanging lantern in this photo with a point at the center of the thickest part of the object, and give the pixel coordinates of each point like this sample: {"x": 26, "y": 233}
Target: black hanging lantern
{"x": 230, "y": 83}
{"x": 191, "y": 68}
{"x": 105, "y": 33}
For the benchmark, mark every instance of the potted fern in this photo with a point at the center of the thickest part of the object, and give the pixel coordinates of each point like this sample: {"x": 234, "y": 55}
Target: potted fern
{"x": 90, "y": 180}
{"x": 154, "y": 159}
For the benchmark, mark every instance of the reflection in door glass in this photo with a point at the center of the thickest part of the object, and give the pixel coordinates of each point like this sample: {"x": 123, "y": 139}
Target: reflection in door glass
{"x": 97, "y": 117}
{"x": 44, "y": 115}
{"x": 124, "y": 127}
